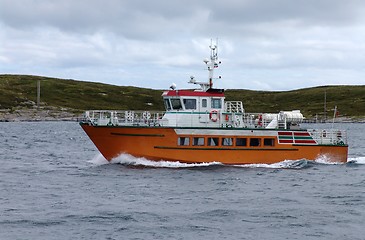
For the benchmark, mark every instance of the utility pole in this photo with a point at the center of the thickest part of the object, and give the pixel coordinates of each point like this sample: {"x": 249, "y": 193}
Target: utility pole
{"x": 325, "y": 106}
{"x": 38, "y": 92}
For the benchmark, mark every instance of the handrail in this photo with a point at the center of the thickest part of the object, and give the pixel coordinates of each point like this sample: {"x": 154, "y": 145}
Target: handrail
{"x": 329, "y": 136}
{"x": 120, "y": 117}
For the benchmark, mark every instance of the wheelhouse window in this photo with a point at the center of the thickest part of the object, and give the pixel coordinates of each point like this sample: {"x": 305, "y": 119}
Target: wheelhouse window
{"x": 183, "y": 141}
{"x": 241, "y": 142}
{"x": 167, "y": 104}
{"x": 255, "y": 142}
{"x": 198, "y": 141}
{"x": 227, "y": 141}
{"x": 269, "y": 142}
{"x": 204, "y": 103}
{"x": 176, "y": 103}
{"x": 190, "y": 103}
{"x": 216, "y": 103}
{"x": 213, "y": 141}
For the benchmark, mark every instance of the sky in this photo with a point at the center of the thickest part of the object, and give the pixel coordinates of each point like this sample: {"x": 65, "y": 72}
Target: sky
{"x": 270, "y": 45}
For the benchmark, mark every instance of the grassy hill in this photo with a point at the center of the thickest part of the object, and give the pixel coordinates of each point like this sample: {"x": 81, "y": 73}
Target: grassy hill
{"x": 20, "y": 91}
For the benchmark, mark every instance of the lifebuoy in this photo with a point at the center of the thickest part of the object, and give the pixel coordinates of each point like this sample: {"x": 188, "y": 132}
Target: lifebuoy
{"x": 214, "y": 116}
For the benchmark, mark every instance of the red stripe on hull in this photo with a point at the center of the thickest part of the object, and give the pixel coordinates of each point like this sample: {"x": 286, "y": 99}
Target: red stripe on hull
{"x": 285, "y": 133}
{"x": 305, "y": 141}
{"x": 301, "y": 134}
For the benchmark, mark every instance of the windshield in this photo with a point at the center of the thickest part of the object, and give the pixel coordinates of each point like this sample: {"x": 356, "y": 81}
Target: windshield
{"x": 176, "y": 103}
{"x": 167, "y": 105}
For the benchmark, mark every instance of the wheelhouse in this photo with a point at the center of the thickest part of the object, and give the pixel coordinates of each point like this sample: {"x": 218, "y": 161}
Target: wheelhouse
{"x": 187, "y": 100}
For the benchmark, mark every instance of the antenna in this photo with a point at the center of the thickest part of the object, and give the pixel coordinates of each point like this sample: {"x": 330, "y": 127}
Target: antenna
{"x": 211, "y": 64}
{"x": 334, "y": 115}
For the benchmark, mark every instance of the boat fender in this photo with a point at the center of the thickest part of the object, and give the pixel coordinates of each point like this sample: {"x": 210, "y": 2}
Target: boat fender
{"x": 213, "y": 115}
{"x": 227, "y": 118}
{"x": 260, "y": 120}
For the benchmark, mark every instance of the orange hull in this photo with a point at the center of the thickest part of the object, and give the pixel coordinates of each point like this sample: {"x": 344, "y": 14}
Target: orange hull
{"x": 161, "y": 143}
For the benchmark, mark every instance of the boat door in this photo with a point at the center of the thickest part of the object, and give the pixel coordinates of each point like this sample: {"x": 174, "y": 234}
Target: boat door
{"x": 203, "y": 110}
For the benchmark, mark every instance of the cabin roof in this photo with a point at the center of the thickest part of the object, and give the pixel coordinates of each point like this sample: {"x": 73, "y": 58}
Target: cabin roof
{"x": 212, "y": 92}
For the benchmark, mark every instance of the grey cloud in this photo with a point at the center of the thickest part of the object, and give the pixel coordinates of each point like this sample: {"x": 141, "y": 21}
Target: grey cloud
{"x": 325, "y": 12}
{"x": 140, "y": 18}
{"x": 261, "y": 41}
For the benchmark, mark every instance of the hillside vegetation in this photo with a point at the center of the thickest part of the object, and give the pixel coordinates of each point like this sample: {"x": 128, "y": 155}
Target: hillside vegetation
{"x": 20, "y": 91}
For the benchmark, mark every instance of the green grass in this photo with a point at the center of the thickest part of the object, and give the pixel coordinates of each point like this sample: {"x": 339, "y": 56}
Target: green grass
{"x": 17, "y": 90}
{"x": 75, "y": 95}
{"x": 350, "y": 100}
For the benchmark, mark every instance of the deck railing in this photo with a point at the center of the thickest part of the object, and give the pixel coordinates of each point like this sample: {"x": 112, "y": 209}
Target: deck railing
{"x": 233, "y": 107}
{"x": 329, "y": 136}
{"x": 117, "y": 118}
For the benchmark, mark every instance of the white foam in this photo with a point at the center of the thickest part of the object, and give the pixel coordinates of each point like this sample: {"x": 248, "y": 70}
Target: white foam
{"x": 323, "y": 159}
{"x": 358, "y": 160}
{"x": 294, "y": 164}
{"x": 131, "y": 160}
{"x": 99, "y": 160}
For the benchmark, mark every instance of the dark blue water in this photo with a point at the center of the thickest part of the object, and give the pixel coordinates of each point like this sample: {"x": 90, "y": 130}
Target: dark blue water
{"x": 55, "y": 185}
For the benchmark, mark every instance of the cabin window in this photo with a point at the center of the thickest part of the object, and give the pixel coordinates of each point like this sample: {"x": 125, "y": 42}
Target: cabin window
{"x": 227, "y": 141}
{"x": 198, "y": 141}
{"x": 183, "y": 141}
{"x": 255, "y": 142}
{"x": 269, "y": 142}
{"x": 213, "y": 141}
{"x": 216, "y": 103}
{"x": 167, "y": 104}
{"x": 176, "y": 103}
{"x": 190, "y": 103}
{"x": 241, "y": 142}
{"x": 204, "y": 103}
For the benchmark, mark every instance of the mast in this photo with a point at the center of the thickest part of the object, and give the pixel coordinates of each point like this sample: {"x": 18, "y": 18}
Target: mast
{"x": 213, "y": 61}
{"x": 211, "y": 65}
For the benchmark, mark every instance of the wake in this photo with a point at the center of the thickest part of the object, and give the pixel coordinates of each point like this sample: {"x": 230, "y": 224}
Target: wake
{"x": 129, "y": 160}
{"x": 357, "y": 160}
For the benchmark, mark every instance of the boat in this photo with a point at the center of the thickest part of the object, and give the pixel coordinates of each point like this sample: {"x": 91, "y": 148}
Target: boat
{"x": 199, "y": 126}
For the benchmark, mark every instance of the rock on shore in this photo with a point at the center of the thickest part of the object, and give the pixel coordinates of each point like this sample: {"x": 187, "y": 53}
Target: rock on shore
{"x": 38, "y": 114}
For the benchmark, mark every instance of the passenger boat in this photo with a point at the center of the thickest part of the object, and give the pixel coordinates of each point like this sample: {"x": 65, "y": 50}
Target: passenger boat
{"x": 199, "y": 126}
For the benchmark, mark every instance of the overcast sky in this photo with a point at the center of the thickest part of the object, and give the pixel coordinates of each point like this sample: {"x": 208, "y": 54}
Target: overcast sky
{"x": 263, "y": 44}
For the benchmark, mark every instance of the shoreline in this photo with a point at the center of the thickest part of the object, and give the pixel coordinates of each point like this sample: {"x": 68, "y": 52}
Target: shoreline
{"x": 38, "y": 115}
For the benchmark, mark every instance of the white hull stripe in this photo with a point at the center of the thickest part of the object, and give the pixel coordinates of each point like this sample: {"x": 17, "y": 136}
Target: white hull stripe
{"x": 219, "y": 132}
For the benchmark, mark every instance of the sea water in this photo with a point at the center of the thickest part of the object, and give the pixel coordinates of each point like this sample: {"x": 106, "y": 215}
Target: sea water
{"x": 55, "y": 185}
